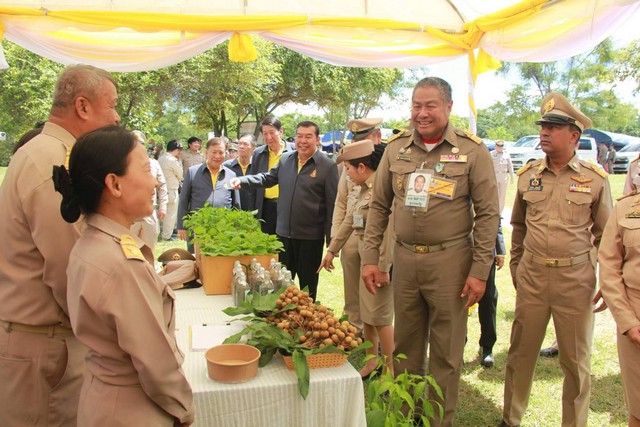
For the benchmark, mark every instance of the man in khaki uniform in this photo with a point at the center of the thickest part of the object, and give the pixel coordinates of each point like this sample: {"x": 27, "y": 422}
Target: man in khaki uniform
{"x": 440, "y": 269}
{"x": 619, "y": 262}
{"x": 504, "y": 171}
{"x": 632, "y": 180}
{"x": 41, "y": 362}
{"x": 172, "y": 170}
{"x": 561, "y": 207}
{"x": 192, "y": 156}
{"x": 347, "y": 195}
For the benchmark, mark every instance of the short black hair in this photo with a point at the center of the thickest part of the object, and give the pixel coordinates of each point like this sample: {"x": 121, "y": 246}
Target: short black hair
{"x": 307, "y": 124}
{"x": 271, "y": 121}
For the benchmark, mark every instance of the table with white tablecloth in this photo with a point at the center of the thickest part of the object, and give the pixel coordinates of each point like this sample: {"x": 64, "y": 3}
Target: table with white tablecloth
{"x": 336, "y": 396}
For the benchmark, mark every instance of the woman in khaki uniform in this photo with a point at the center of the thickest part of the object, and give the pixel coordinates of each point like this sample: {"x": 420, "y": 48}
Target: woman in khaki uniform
{"x": 619, "y": 261}
{"x": 361, "y": 161}
{"x": 118, "y": 306}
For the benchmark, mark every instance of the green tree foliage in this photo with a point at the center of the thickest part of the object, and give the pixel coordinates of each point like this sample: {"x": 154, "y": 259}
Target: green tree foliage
{"x": 26, "y": 88}
{"x": 586, "y": 80}
{"x": 628, "y": 64}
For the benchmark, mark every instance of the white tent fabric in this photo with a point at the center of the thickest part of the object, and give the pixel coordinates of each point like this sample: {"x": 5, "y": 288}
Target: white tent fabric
{"x": 137, "y": 35}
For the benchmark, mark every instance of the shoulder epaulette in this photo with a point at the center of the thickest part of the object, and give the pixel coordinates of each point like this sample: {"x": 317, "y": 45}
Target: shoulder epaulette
{"x": 595, "y": 167}
{"x": 624, "y": 196}
{"x": 524, "y": 169}
{"x": 468, "y": 134}
{"x": 400, "y": 134}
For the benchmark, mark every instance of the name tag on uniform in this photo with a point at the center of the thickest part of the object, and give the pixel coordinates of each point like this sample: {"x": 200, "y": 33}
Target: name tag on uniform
{"x": 442, "y": 188}
{"x": 403, "y": 158}
{"x": 358, "y": 220}
{"x": 580, "y": 188}
{"x": 453, "y": 158}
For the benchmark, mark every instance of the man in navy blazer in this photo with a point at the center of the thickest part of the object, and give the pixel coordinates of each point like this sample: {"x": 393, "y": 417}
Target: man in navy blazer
{"x": 308, "y": 185}
{"x": 265, "y": 201}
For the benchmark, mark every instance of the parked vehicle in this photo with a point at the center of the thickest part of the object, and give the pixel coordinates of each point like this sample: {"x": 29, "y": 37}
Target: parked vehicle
{"x": 527, "y": 149}
{"x": 625, "y": 156}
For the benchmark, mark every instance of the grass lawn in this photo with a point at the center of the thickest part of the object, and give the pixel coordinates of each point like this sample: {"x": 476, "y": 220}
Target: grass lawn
{"x": 481, "y": 390}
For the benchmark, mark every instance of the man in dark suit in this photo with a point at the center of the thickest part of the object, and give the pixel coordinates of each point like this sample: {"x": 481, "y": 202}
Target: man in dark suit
{"x": 263, "y": 160}
{"x": 308, "y": 185}
{"x": 240, "y": 165}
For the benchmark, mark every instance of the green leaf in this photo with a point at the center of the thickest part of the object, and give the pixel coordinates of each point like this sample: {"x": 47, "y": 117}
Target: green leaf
{"x": 302, "y": 372}
{"x": 376, "y": 418}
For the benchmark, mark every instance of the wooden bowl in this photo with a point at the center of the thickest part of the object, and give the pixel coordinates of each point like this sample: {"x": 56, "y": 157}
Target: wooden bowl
{"x": 232, "y": 363}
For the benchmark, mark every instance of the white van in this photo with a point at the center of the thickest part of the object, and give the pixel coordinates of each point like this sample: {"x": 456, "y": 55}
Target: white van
{"x": 527, "y": 149}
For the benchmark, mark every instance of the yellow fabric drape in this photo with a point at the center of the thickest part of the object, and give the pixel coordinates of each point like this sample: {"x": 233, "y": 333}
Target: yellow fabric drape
{"x": 241, "y": 48}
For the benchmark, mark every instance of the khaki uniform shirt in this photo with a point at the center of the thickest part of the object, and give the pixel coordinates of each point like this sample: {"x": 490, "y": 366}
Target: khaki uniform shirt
{"x": 160, "y": 195}
{"x": 172, "y": 170}
{"x": 347, "y": 196}
{"x": 559, "y": 216}
{"x": 124, "y": 313}
{"x": 360, "y": 208}
{"x": 190, "y": 159}
{"x": 632, "y": 181}
{"x": 474, "y": 205}
{"x": 619, "y": 261}
{"x": 502, "y": 165}
{"x": 36, "y": 240}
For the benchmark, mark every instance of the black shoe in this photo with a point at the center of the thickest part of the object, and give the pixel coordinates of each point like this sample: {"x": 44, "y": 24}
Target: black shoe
{"x": 549, "y": 352}
{"x": 504, "y": 424}
{"x": 486, "y": 358}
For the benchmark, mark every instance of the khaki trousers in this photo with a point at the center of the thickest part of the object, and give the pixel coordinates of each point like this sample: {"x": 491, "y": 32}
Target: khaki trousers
{"x": 169, "y": 221}
{"x": 564, "y": 293}
{"x": 429, "y": 310}
{"x": 350, "y": 260}
{"x": 103, "y": 404}
{"x": 503, "y": 181}
{"x": 40, "y": 379}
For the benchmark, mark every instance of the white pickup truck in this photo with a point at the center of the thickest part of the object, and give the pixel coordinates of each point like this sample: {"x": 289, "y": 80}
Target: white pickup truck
{"x": 527, "y": 149}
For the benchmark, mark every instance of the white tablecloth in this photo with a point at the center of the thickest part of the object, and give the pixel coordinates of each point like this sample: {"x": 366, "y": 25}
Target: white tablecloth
{"x": 336, "y": 397}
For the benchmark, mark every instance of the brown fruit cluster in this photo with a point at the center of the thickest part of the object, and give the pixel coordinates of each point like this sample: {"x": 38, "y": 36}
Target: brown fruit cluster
{"x": 320, "y": 328}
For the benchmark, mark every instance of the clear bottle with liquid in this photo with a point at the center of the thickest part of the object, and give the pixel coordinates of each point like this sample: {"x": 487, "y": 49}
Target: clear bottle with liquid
{"x": 266, "y": 285}
{"x": 240, "y": 292}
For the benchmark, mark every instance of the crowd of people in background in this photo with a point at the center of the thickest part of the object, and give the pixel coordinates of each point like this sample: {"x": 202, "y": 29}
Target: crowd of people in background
{"x": 87, "y": 328}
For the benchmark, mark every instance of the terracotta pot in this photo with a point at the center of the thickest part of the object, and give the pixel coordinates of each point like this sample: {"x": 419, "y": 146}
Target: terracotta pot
{"x": 232, "y": 363}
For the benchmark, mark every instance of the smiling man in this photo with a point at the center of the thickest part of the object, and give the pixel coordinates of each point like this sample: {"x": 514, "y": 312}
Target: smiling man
{"x": 41, "y": 362}
{"x": 439, "y": 267}
{"x": 308, "y": 183}
{"x": 561, "y": 207}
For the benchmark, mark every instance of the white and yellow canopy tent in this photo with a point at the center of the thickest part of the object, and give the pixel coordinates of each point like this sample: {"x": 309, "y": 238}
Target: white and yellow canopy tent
{"x": 137, "y": 35}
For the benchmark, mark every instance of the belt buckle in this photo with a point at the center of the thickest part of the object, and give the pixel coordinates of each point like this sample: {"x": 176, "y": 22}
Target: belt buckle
{"x": 551, "y": 262}
{"x": 422, "y": 249}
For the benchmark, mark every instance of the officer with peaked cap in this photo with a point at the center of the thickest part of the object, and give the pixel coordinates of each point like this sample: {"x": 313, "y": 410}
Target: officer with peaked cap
{"x": 361, "y": 129}
{"x": 504, "y": 171}
{"x": 561, "y": 207}
{"x": 376, "y": 311}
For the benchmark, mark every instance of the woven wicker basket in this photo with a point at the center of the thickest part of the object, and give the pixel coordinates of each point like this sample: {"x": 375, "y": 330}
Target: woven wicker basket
{"x": 319, "y": 360}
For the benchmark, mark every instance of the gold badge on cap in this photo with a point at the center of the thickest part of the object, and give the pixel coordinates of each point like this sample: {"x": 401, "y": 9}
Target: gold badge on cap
{"x": 549, "y": 106}
{"x": 354, "y": 127}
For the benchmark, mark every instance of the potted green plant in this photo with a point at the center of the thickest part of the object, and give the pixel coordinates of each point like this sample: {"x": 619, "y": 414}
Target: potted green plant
{"x": 222, "y": 236}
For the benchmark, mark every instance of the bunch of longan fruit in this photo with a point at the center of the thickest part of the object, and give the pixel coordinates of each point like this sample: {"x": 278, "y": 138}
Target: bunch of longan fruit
{"x": 320, "y": 328}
